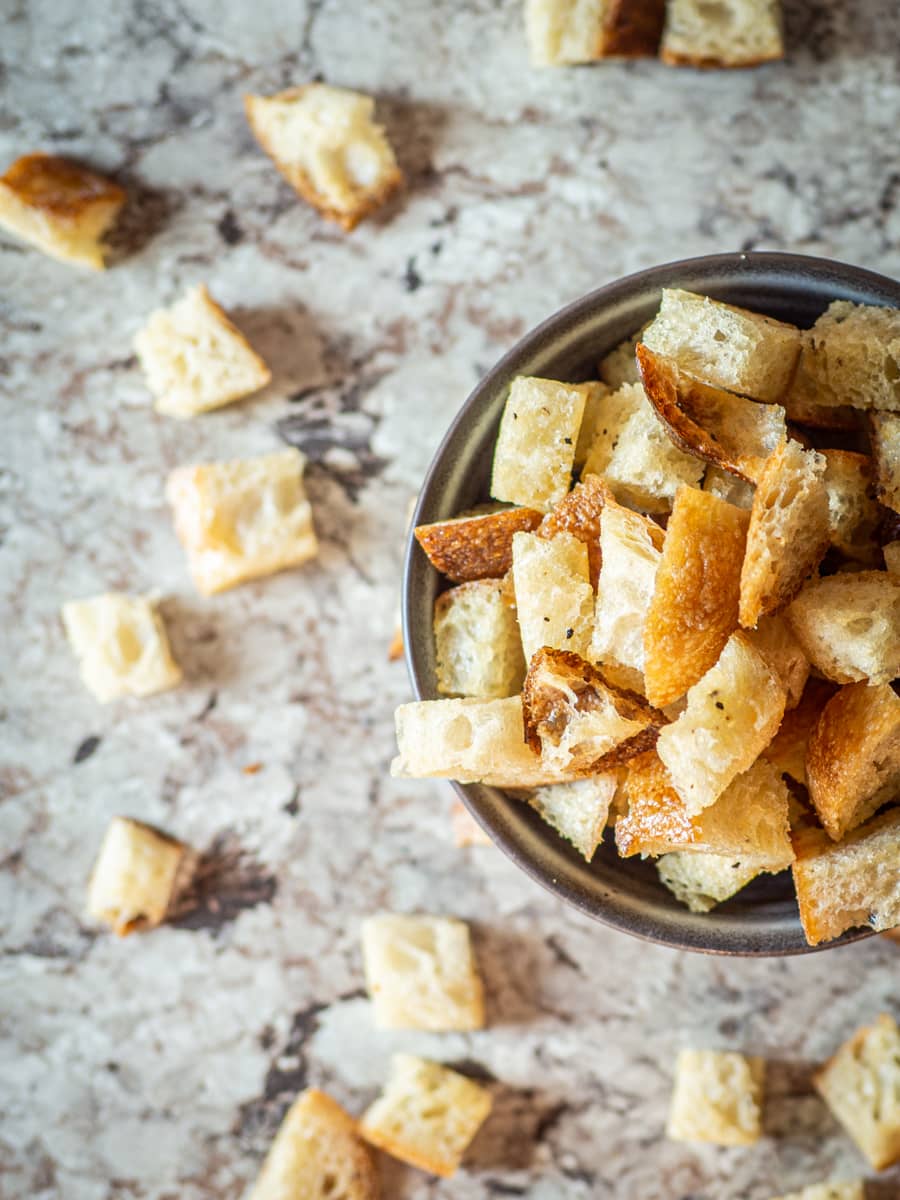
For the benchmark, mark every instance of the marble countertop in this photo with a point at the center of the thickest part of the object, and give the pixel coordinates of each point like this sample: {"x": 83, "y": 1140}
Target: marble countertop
{"x": 158, "y": 1067}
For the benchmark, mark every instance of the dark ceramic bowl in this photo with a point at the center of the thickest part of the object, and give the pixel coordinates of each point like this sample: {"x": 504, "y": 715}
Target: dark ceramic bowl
{"x": 624, "y": 893}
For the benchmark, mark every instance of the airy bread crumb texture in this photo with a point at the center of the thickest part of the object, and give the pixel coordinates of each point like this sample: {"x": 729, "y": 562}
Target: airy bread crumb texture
{"x": 578, "y": 811}
{"x": 121, "y": 645}
{"x": 774, "y": 638}
{"x": 195, "y": 359}
{"x": 566, "y": 32}
{"x": 60, "y": 207}
{"x": 242, "y": 519}
{"x": 426, "y": 1115}
{"x": 849, "y": 626}
{"x": 722, "y": 33}
{"x": 717, "y": 1098}
{"x": 701, "y": 881}
{"x": 854, "y": 514}
{"x": 421, "y": 973}
{"x": 851, "y": 356}
{"x": 861, "y": 1086}
{"x": 554, "y": 597}
{"x": 325, "y": 142}
{"x": 477, "y": 644}
{"x": 535, "y": 449}
{"x": 317, "y": 1153}
{"x": 136, "y": 876}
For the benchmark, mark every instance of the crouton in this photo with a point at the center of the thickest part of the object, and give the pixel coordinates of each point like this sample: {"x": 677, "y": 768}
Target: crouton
{"x": 734, "y": 33}
{"x": 579, "y": 513}
{"x": 721, "y": 345}
{"x": 594, "y": 393}
{"x": 477, "y": 643}
{"x": 789, "y": 531}
{"x": 577, "y": 721}
{"x": 787, "y": 749}
{"x": 694, "y": 608}
{"x": 732, "y": 714}
{"x": 619, "y": 366}
{"x": 59, "y": 206}
{"x": 136, "y": 877}
{"x": 317, "y": 1154}
{"x": 728, "y": 431}
{"x": 554, "y": 597}
{"x": 563, "y": 32}
{"x": 801, "y": 408}
{"x": 195, "y": 360}
{"x": 884, "y": 434}
{"x": 421, "y": 973}
{"x": 631, "y": 549}
{"x": 633, "y": 454}
{"x": 851, "y": 357}
{"x": 326, "y": 144}
{"x": 861, "y": 1086}
{"x": 426, "y": 1115}
{"x": 242, "y": 519}
{"x": 475, "y": 547}
{"x": 849, "y": 626}
{"x": 852, "y": 1190}
{"x": 578, "y": 811}
{"x": 853, "y": 513}
{"x": 472, "y": 741}
{"x": 852, "y": 882}
{"x": 747, "y": 824}
{"x": 121, "y": 646}
{"x": 728, "y": 487}
{"x": 701, "y": 881}
{"x": 717, "y": 1098}
{"x": 774, "y": 638}
{"x": 535, "y": 448}
{"x": 853, "y": 756}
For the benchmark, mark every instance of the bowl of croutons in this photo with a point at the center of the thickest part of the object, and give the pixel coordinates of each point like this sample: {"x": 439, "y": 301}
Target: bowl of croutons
{"x": 651, "y": 605}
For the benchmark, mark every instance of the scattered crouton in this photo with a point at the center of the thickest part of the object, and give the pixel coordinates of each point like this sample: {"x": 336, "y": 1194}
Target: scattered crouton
{"x": 774, "y": 638}
{"x": 728, "y": 487}
{"x": 736, "y": 33}
{"x": 136, "y": 877}
{"x": 717, "y": 1098}
{"x": 787, "y": 749}
{"x": 580, "y": 514}
{"x": 619, "y": 366}
{"x": 121, "y": 645}
{"x": 854, "y": 514}
{"x": 566, "y": 32}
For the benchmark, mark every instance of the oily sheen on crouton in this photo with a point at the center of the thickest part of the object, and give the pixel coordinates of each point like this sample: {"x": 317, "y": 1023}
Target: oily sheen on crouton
{"x": 554, "y": 597}
{"x": 851, "y": 357}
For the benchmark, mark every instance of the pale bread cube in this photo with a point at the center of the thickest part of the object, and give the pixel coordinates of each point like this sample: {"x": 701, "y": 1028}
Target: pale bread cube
{"x": 594, "y": 394}
{"x": 634, "y": 455}
{"x": 631, "y": 550}
{"x": 619, "y": 366}
{"x": 725, "y": 346}
{"x": 728, "y": 487}
{"x": 578, "y": 811}
{"x": 194, "y": 359}
{"x": 853, "y": 513}
{"x": 849, "y": 625}
{"x": 135, "y": 877}
{"x": 242, "y": 519}
{"x": 478, "y": 546}
{"x": 421, "y": 973}
{"x": 59, "y": 206}
{"x": 317, "y": 1154}
{"x": 851, "y": 357}
{"x": 694, "y": 607}
{"x": 325, "y": 142}
{"x": 426, "y": 1115}
{"x": 535, "y": 448}
{"x": 884, "y": 434}
{"x": 730, "y": 33}
{"x": 472, "y": 741}
{"x": 701, "y": 881}
{"x": 851, "y": 1190}
{"x": 789, "y": 531}
{"x": 477, "y": 643}
{"x": 748, "y": 824}
{"x": 774, "y": 638}
{"x": 718, "y": 1098}
{"x": 848, "y": 883}
{"x": 853, "y": 756}
{"x": 563, "y": 32}
{"x": 121, "y": 645}
{"x": 861, "y": 1086}
{"x": 554, "y": 597}
{"x": 732, "y": 714}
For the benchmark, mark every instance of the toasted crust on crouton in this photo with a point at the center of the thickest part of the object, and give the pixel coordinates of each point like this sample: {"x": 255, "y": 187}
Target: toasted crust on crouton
{"x": 853, "y": 758}
{"x": 694, "y": 608}
{"x": 745, "y": 35}
{"x": 849, "y": 625}
{"x": 577, "y": 721}
{"x": 632, "y": 28}
{"x": 579, "y": 514}
{"x": 728, "y": 431}
{"x": 789, "y": 531}
{"x": 884, "y": 434}
{"x": 717, "y": 1098}
{"x": 787, "y": 749}
{"x": 477, "y": 547}
{"x": 802, "y": 409}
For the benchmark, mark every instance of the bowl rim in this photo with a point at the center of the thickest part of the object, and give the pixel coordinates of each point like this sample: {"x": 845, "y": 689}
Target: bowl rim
{"x": 743, "y": 264}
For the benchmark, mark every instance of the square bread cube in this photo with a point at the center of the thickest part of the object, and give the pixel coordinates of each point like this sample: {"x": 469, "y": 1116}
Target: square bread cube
{"x": 563, "y": 32}
{"x": 722, "y": 345}
{"x": 594, "y": 395}
{"x": 426, "y": 1115}
{"x": 59, "y": 206}
{"x": 578, "y": 811}
{"x": 135, "y": 878}
{"x": 701, "y": 881}
{"x": 421, "y": 973}
{"x": 829, "y": 1191}
{"x": 325, "y": 142}
{"x": 732, "y": 33}
{"x": 554, "y": 597}
{"x": 861, "y": 1086}
{"x": 317, "y": 1154}
{"x": 718, "y": 1098}
{"x": 850, "y": 357}
{"x": 477, "y": 643}
{"x": 121, "y": 645}
{"x": 535, "y": 448}
{"x": 195, "y": 359}
{"x": 242, "y": 519}
{"x": 849, "y": 625}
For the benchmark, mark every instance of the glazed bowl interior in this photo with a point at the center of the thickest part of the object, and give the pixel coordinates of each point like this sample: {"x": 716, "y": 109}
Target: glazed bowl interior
{"x": 624, "y": 893}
